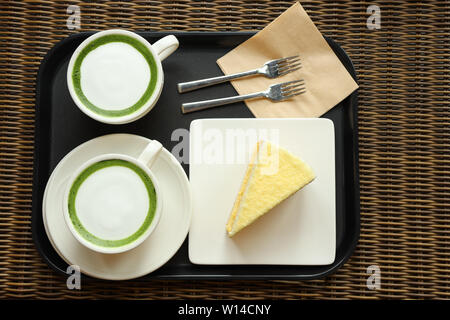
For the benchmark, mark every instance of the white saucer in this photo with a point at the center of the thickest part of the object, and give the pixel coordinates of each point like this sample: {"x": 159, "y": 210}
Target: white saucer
{"x": 162, "y": 244}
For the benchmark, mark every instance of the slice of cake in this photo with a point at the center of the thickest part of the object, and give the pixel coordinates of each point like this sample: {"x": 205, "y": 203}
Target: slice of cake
{"x": 272, "y": 176}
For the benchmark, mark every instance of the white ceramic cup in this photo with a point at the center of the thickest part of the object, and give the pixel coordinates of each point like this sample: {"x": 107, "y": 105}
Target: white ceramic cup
{"x": 100, "y": 79}
{"x": 144, "y": 162}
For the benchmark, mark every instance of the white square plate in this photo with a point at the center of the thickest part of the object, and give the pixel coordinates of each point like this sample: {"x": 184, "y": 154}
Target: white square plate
{"x": 299, "y": 231}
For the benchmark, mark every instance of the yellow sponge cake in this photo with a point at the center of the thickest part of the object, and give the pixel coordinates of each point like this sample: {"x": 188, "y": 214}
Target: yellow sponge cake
{"x": 273, "y": 175}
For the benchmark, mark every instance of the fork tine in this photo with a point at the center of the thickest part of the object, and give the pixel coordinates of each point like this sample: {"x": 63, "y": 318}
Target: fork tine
{"x": 288, "y": 71}
{"x": 293, "y": 91}
{"x": 288, "y": 63}
{"x": 294, "y": 94}
{"x": 289, "y": 66}
{"x": 291, "y": 81}
{"x": 277, "y": 61}
{"x": 294, "y": 83}
{"x": 293, "y": 87}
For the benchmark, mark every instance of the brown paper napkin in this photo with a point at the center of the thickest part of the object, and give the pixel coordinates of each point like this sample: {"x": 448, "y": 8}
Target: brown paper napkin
{"x": 327, "y": 80}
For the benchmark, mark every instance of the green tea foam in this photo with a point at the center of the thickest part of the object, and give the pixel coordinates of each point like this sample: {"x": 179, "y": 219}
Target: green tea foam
{"x": 112, "y": 203}
{"x": 114, "y": 75}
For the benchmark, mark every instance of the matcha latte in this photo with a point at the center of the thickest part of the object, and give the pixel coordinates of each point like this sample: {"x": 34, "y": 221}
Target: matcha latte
{"x": 115, "y": 76}
{"x": 112, "y": 204}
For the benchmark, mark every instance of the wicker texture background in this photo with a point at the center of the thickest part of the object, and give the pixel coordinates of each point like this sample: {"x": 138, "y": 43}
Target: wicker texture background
{"x": 404, "y": 118}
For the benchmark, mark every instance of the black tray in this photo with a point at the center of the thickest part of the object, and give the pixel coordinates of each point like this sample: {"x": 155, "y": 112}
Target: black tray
{"x": 57, "y": 132}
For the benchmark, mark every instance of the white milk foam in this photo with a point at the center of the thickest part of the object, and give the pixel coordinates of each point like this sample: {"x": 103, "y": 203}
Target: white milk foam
{"x": 112, "y": 203}
{"x": 114, "y": 76}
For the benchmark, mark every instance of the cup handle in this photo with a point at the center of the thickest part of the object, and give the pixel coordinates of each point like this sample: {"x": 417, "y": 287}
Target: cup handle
{"x": 150, "y": 153}
{"x": 164, "y": 47}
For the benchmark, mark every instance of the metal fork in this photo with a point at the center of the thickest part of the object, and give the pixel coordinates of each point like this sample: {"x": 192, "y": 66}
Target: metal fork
{"x": 271, "y": 69}
{"x": 276, "y": 92}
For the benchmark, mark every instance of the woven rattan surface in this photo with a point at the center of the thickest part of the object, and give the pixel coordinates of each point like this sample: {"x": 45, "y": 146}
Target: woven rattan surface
{"x": 404, "y": 117}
